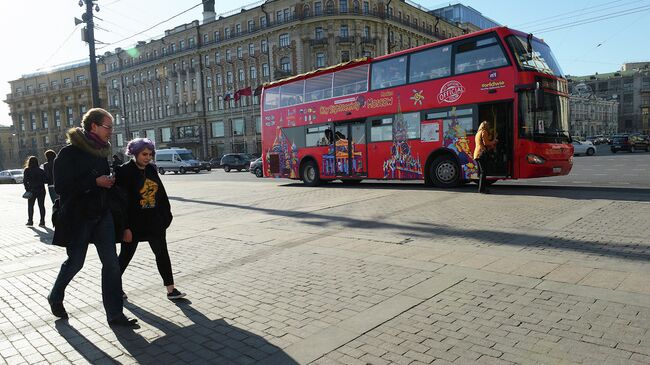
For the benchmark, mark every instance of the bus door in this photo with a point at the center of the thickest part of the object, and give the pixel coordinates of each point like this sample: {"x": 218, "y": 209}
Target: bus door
{"x": 350, "y": 149}
{"x": 500, "y": 118}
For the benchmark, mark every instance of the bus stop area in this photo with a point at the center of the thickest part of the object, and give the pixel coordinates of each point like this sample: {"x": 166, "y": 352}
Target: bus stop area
{"x": 278, "y": 273}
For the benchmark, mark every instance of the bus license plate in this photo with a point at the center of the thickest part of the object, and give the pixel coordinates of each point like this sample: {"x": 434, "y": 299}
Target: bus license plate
{"x": 557, "y": 170}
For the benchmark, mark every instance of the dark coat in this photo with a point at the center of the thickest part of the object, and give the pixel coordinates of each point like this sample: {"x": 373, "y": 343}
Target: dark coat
{"x": 48, "y": 172}
{"x": 34, "y": 180}
{"x": 149, "y": 214}
{"x": 75, "y": 169}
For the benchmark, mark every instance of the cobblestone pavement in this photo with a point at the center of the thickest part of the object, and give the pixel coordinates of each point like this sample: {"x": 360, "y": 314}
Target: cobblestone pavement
{"x": 277, "y": 273}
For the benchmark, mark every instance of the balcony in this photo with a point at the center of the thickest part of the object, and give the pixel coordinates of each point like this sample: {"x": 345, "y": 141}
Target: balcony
{"x": 369, "y": 40}
{"x": 318, "y": 42}
{"x": 348, "y": 39}
{"x": 280, "y": 74}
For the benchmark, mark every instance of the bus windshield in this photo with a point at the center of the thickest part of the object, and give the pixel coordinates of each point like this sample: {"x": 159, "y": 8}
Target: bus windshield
{"x": 548, "y": 124}
{"x": 541, "y": 59}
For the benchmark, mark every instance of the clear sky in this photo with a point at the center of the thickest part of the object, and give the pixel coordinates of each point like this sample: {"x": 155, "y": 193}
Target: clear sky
{"x": 38, "y": 34}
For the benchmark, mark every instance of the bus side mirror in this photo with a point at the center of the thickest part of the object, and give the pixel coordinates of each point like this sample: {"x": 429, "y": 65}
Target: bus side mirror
{"x": 539, "y": 98}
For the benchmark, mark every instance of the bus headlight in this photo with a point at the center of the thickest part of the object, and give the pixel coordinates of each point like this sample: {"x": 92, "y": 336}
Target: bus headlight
{"x": 534, "y": 159}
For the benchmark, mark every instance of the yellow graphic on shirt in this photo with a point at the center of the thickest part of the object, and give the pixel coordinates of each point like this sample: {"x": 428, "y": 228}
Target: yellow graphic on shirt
{"x": 148, "y": 194}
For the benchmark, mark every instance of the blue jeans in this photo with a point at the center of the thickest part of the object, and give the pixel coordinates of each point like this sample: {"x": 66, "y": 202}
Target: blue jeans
{"x": 100, "y": 231}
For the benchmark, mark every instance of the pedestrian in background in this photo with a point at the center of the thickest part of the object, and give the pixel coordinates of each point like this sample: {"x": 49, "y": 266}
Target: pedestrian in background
{"x": 149, "y": 212}
{"x": 485, "y": 145}
{"x": 48, "y": 166}
{"x": 82, "y": 179}
{"x": 34, "y": 180}
{"x": 117, "y": 162}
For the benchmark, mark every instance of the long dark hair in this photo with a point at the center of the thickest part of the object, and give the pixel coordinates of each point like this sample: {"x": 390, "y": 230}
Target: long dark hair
{"x": 31, "y": 161}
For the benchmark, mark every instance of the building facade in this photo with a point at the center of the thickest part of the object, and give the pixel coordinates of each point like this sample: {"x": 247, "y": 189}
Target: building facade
{"x": 45, "y": 105}
{"x": 8, "y": 157}
{"x": 630, "y": 87}
{"x": 197, "y": 87}
{"x": 590, "y": 115}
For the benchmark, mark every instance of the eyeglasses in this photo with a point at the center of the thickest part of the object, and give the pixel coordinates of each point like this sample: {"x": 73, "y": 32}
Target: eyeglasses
{"x": 109, "y": 127}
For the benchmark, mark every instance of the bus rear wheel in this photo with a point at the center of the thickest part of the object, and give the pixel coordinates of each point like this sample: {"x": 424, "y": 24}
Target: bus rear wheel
{"x": 310, "y": 175}
{"x": 443, "y": 172}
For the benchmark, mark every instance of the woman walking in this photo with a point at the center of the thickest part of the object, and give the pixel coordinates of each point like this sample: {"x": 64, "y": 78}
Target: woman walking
{"x": 148, "y": 212}
{"x": 34, "y": 180}
{"x": 484, "y": 145}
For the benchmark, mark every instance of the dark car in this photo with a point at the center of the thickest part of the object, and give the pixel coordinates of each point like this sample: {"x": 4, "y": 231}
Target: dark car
{"x": 630, "y": 143}
{"x": 205, "y": 165}
{"x": 235, "y": 161}
{"x": 256, "y": 168}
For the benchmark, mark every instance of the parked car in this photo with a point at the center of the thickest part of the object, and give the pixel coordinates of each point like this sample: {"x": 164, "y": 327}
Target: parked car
{"x": 256, "y": 168}
{"x": 215, "y": 162}
{"x": 236, "y": 161}
{"x": 583, "y": 148}
{"x": 11, "y": 176}
{"x": 630, "y": 143}
{"x": 205, "y": 165}
{"x": 176, "y": 160}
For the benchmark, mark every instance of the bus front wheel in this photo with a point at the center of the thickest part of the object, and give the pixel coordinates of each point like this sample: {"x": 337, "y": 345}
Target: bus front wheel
{"x": 310, "y": 175}
{"x": 443, "y": 172}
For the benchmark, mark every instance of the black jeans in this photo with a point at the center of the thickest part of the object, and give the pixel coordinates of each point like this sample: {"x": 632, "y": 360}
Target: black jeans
{"x": 41, "y": 206}
{"x": 483, "y": 162}
{"x": 159, "y": 247}
{"x": 101, "y": 232}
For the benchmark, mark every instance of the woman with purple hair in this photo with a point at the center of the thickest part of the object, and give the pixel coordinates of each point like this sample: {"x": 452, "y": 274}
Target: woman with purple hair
{"x": 148, "y": 213}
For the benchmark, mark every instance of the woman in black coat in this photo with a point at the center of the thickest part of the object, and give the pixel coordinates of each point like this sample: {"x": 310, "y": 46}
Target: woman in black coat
{"x": 148, "y": 211}
{"x": 34, "y": 180}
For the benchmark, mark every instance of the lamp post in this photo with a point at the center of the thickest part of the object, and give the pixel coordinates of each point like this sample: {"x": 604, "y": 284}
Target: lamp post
{"x": 88, "y": 35}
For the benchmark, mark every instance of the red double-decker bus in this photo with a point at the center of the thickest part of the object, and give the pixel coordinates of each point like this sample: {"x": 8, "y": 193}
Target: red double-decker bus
{"x": 413, "y": 114}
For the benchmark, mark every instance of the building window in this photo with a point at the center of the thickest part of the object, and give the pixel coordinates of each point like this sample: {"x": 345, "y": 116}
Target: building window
{"x": 265, "y": 70}
{"x": 220, "y": 103}
{"x": 217, "y": 57}
{"x": 320, "y": 59}
{"x": 219, "y": 80}
{"x": 264, "y": 46}
{"x": 57, "y": 118}
{"x": 258, "y": 124}
{"x": 217, "y": 129}
{"x": 229, "y": 78}
{"x": 217, "y": 36}
{"x": 69, "y": 116}
{"x": 318, "y": 33}
{"x": 210, "y": 104}
{"x": 284, "y": 40}
{"x": 285, "y": 65}
{"x": 181, "y": 44}
{"x": 343, "y": 31}
{"x": 238, "y": 127}
{"x": 251, "y": 25}
{"x": 226, "y": 33}
{"x": 237, "y": 29}
{"x": 343, "y": 6}
{"x": 263, "y": 22}
{"x": 208, "y": 82}
{"x": 251, "y": 49}
{"x": 45, "y": 120}
{"x": 240, "y": 53}
{"x": 119, "y": 139}
{"x": 206, "y": 39}
{"x": 228, "y": 58}
{"x": 166, "y": 134}
{"x": 366, "y": 32}
{"x": 160, "y": 112}
{"x": 252, "y": 73}
{"x": 242, "y": 77}
{"x": 318, "y": 8}
{"x": 151, "y": 134}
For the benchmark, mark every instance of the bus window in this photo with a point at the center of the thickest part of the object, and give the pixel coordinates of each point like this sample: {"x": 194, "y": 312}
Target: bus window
{"x": 477, "y": 55}
{"x": 430, "y": 64}
{"x": 319, "y": 136}
{"x": 272, "y": 98}
{"x": 351, "y": 81}
{"x": 318, "y": 88}
{"x": 291, "y": 93}
{"x": 381, "y": 130}
{"x": 463, "y": 118}
{"x": 412, "y": 124}
{"x": 389, "y": 73}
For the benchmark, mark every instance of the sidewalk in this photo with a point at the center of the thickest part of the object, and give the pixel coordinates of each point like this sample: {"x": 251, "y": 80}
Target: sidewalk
{"x": 281, "y": 274}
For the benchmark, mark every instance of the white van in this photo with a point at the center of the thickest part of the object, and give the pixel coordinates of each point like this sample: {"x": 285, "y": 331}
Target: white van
{"x": 176, "y": 160}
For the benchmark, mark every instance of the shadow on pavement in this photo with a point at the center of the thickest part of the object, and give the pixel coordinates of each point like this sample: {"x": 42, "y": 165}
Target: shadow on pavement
{"x": 43, "y": 236}
{"x": 205, "y": 341}
{"x": 432, "y": 231}
{"x": 555, "y": 191}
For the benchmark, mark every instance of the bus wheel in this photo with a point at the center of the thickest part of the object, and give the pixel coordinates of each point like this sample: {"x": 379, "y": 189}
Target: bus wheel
{"x": 161, "y": 171}
{"x": 444, "y": 172}
{"x": 310, "y": 175}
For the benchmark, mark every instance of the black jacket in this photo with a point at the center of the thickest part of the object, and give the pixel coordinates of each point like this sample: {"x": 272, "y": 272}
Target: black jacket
{"x": 48, "y": 172}
{"x": 34, "y": 180}
{"x": 148, "y": 209}
{"x": 75, "y": 169}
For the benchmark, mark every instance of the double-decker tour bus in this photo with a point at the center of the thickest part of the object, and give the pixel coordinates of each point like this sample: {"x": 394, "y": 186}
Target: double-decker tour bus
{"x": 413, "y": 114}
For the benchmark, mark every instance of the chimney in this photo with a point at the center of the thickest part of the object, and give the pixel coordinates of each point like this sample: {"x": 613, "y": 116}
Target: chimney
{"x": 208, "y": 11}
